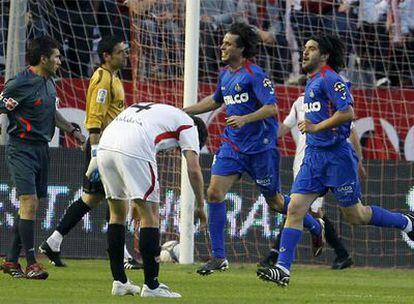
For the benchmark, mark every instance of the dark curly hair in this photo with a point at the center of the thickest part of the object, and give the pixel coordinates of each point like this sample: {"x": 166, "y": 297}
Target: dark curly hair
{"x": 334, "y": 47}
{"x": 202, "y": 130}
{"x": 247, "y": 38}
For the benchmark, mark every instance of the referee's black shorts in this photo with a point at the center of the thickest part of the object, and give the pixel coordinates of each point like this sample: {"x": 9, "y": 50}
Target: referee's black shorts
{"x": 28, "y": 163}
{"x": 88, "y": 186}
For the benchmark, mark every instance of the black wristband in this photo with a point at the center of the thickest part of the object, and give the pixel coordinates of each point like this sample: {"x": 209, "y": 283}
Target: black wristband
{"x": 75, "y": 128}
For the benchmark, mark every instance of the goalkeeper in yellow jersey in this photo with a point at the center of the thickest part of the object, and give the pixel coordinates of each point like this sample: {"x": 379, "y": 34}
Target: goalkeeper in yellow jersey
{"x": 104, "y": 101}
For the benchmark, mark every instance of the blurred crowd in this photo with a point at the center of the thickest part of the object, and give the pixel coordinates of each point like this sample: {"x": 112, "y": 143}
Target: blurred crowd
{"x": 379, "y": 34}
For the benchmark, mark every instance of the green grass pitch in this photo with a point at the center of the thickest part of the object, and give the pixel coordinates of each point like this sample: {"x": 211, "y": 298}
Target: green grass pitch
{"x": 89, "y": 281}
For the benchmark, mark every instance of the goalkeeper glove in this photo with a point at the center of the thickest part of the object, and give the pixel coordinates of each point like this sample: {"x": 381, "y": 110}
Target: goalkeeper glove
{"x": 92, "y": 173}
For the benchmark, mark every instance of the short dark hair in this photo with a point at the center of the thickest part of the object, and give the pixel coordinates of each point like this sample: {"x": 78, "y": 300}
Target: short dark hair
{"x": 107, "y": 44}
{"x": 334, "y": 47}
{"x": 41, "y": 46}
{"x": 202, "y": 130}
{"x": 248, "y": 38}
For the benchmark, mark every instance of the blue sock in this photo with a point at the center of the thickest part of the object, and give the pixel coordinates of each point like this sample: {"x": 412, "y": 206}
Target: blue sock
{"x": 289, "y": 241}
{"x": 383, "y": 218}
{"x": 309, "y": 221}
{"x": 216, "y": 223}
{"x": 312, "y": 224}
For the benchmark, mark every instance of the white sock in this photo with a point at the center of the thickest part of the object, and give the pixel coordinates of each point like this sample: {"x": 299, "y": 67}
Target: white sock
{"x": 287, "y": 271}
{"x": 126, "y": 254}
{"x": 409, "y": 226}
{"x": 55, "y": 240}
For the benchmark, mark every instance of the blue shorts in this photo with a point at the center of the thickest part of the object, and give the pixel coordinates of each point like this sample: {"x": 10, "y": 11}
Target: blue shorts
{"x": 263, "y": 167}
{"x": 334, "y": 169}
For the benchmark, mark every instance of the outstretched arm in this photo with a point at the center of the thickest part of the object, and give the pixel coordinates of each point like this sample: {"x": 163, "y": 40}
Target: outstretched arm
{"x": 197, "y": 184}
{"x": 207, "y": 104}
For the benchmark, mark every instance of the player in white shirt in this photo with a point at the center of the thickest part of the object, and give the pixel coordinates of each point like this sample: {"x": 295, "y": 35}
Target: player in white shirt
{"x": 297, "y": 114}
{"x": 128, "y": 168}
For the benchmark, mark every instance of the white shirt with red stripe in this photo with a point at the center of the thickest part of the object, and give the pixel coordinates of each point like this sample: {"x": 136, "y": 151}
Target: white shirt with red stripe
{"x": 144, "y": 129}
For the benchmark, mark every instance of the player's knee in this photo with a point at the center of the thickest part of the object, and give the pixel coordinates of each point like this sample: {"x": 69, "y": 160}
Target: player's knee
{"x": 354, "y": 218}
{"x": 215, "y": 195}
{"x": 276, "y": 202}
{"x": 92, "y": 200}
{"x": 295, "y": 211}
{"x": 28, "y": 207}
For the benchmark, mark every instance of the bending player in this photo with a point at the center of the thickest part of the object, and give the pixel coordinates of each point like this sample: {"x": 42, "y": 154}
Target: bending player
{"x": 128, "y": 167}
{"x": 330, "y": 163}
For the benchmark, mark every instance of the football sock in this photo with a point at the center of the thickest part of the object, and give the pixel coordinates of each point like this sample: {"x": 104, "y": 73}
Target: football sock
{"x": 55, "y": 240}
{"x": 26, "y": 229}
{"x": 149, "y": 246}
{"x": 384, "y": 218}
{"x": 288, "y": 242}
{"x": 309, "y": 221}
{"x": 16, "y": 245}
{"x": 333, "y": 240}
{"x": 312, "y": 224}
{"x": 116, "y": 242}
{"x": 276, "y": 245}
{"x": 72, "y": 216}
{"x": 216, "y": 223}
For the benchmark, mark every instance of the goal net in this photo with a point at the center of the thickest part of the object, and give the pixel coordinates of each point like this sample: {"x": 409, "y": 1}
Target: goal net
{"x": 379, "y": 64}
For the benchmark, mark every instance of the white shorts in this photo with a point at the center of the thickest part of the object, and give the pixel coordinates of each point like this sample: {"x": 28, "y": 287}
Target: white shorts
{"x": 125, "y": 177}
{"x": 318, "y": 203}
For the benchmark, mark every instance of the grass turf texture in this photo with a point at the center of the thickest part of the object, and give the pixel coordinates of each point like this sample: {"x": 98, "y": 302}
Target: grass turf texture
{"x": 89, "y": 281}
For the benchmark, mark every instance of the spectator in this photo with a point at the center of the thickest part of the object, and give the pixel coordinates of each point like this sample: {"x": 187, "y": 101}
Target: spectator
{"x": 161, "y": 35}
{"x": 215, "y": 17}
{"x": 4, "y": 21}
{"x": 373, "y": 43}
{"x": 266, "y": 17}
{"x": 401, "y": 26}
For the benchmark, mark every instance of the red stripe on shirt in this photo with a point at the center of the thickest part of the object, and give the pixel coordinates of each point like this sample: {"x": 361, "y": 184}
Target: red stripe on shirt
{"x": 151, "y": 188}
{"x": 172, "y": 134}
{"x": 26, "y": 122}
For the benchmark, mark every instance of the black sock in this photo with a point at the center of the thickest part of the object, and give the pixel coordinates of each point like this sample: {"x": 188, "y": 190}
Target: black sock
{"x": 116, "y": 243}
{"x": 333, "y": 240}
{"x": 107, "y": 214}
{"x": 16, "y": 245}
{"x": 26, "y": 230}
{"x": 149, "y": 246}
{"x": 277, "y": 241}
{"x": 73, "y": 215}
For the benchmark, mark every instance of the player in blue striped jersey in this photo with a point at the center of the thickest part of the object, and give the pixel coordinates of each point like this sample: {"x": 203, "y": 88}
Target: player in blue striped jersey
{"x": 330, "y": 163}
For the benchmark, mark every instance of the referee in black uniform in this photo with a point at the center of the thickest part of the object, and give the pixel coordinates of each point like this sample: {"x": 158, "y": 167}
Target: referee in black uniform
{"x": 29, "y": 100}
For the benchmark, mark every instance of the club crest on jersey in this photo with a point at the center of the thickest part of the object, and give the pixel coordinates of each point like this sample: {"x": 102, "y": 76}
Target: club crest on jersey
{"x": 340, "y": 87}
{"x": 237, "y": 87}
{"x": 238, "y": 98}
{"x": 312, "y": 107}
{"x": 311, "y": 94}
{"x": 101, "y": 96}
{"x": 267, "y": 83}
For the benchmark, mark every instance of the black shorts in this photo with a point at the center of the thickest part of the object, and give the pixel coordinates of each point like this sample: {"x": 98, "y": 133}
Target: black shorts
{"x": 88, "y": 186}
{"x": 29, "y": 166}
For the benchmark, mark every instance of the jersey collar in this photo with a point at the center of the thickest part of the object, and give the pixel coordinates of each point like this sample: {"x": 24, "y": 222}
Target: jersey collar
{"x": 322, "y": 71}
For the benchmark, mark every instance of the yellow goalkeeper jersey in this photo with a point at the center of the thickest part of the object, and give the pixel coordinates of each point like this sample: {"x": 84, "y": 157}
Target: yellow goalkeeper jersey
{"x": 104, "y": 99}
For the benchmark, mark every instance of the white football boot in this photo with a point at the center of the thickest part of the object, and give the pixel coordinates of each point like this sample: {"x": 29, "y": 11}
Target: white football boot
{"x": 120, "y": 289}
{"x": 161, "y": 292}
